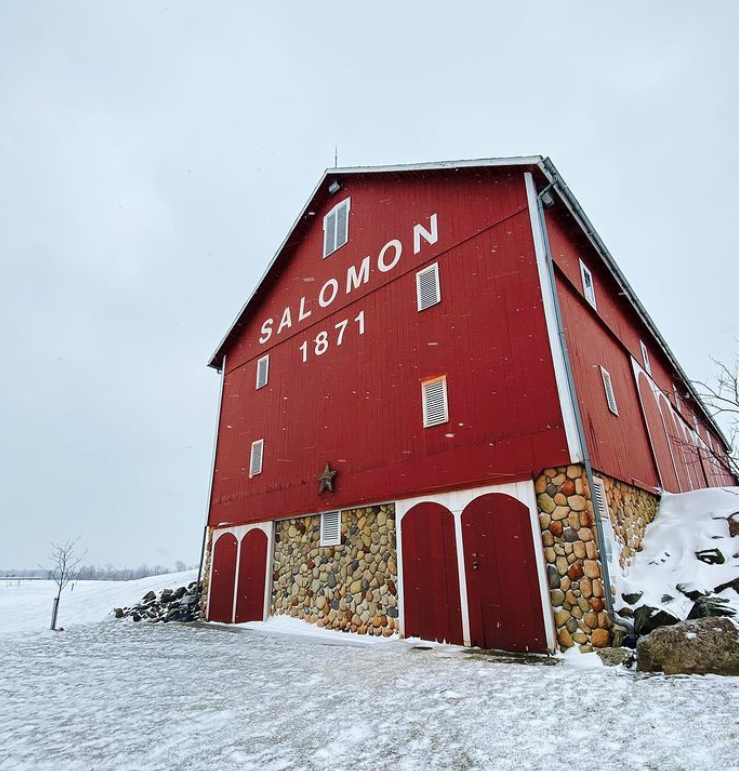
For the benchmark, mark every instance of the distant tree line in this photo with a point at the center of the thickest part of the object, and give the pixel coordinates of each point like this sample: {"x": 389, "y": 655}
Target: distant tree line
{"x": 102, "y": 573}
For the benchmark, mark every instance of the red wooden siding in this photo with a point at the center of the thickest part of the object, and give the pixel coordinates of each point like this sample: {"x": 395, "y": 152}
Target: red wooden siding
{"x": 615, "y": 314}
{"x": 503, "y": 591}
{"x": 619, "y": 444}
{"x": 431, "y": 601}
{"x": 358, "y": 405}
{"x": 223, "y": 578}
{"x": 658, "y": 435}
{"x": 252, "y": 577}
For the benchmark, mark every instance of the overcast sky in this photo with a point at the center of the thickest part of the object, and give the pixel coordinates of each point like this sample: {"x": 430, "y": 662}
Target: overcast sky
{"x": 154, "y": 154}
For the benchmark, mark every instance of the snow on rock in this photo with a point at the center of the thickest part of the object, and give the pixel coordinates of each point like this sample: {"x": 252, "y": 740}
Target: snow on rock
{"x": 687, "y": 525}
{"x": 170, "y": 605}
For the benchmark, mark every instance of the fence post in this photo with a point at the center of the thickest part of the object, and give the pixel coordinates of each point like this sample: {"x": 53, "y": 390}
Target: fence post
{"x": 54, "y": 610}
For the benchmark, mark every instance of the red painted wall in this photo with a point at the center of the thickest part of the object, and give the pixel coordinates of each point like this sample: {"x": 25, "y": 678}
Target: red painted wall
{"x": 610, "y": 336}
{"x": 358, "y": 405}
{"x": 618, "y": 444}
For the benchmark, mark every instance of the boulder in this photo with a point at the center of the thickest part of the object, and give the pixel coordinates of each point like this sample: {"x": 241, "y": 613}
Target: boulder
{"x": 633, "y": 598}
{"x": 615, "y": 657}
{"x": 648, "y": 618}
{"x": 711, "y": 556}
{"x": 707, "y": 607}
{"x": 149, "y": 596}
{"x": 734, "y": 584}
{"x": 696, "y": 647}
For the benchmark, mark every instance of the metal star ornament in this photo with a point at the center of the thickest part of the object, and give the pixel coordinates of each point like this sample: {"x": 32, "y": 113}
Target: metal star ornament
{"x": 326, "y": 480}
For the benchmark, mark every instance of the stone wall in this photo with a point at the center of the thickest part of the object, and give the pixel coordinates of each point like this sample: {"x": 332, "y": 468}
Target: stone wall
{"x": 573, "y": 558}
{"x": 351, "y": 587}
{"x": 631, "y": 510}
{"x": 205, "y": 577}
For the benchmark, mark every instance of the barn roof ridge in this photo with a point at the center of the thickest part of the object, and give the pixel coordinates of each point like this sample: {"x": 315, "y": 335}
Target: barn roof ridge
{"x": 550, "y": 172}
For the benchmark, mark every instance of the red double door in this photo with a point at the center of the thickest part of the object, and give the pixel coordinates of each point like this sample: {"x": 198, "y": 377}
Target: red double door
{"x": 248, "y": 590}
{"x": 500, "y": 574}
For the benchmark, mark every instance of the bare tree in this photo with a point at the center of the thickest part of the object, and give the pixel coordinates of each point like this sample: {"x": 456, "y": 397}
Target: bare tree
{"x": 64, "y": 567}
{"x": 722, "y": 397}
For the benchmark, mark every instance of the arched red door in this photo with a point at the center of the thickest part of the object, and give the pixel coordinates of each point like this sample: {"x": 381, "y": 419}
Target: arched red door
{"x": 223, "y": 578}
{"x": 431, "y": 602}
{"x": 252, "y": 570}
{"x": 503, "y": 590}
{"x": 658, "y": 435}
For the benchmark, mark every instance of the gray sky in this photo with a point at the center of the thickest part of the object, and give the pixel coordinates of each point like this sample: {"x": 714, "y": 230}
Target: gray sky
{"x": 153, "y": 156}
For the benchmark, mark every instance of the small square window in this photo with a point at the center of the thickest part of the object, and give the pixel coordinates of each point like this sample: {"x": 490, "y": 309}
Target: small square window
{"x": 645, "y": 357}
{"x": 336, "y": 227}
{"x": 608, "y": 386}
{"x": 257, "y": 455}
{"x": 262, "y": 371}
{"x": 331, "y": 528}
{"x": 428, "y": 290}
{"x": 588, "y": 287}
{"x": 434, "y": 400}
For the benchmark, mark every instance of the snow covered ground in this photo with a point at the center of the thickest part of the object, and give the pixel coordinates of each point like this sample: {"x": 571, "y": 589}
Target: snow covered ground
{"x": 117, "y": 696}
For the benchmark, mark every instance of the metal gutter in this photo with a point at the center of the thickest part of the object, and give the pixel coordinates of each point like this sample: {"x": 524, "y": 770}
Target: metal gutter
{"x": 574, "y": 402}
{"x": 550, "y": 172}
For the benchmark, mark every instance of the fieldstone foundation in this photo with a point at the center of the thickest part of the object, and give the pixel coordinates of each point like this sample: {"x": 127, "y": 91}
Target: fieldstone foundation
{"x": 631, "y": 510}
{"x": 351, "y": 587}
{"x": 205, "y": 577}
{"x": 573, "y": 558}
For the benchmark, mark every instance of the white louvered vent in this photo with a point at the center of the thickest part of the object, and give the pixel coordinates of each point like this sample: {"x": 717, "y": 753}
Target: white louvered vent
{"x": 434, "y": 397}
{"x": 588, "y": 287}
{"x": 262, "y": 371}
{"x": 599, "y": 493}
{"x": 331, "y": 528}
{"x": 609, "y": 546}
{"x": 645, "y": 357}
{"x": 257, "y": 454}
{"x": 336, "y": 227}
{"x": 428, "y": 290}
{"x": 610, "y": 395}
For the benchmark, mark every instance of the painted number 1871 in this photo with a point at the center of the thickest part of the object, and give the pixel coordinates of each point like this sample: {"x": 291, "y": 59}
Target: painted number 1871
{"x": 322, "y": 340}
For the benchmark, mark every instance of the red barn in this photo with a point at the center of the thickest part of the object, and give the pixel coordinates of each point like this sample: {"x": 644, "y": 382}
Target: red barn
{"x": 445, "y": 414}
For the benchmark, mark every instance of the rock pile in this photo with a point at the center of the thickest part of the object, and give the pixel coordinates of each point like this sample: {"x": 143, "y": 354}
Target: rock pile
{"x": 170, "y": 605}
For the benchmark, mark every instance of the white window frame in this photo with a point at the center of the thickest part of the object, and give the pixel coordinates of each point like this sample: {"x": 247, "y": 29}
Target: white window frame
{"x": 678, "y": 400}
{"x": 252, "y": 471}
{"x": 329, "y": 249}
{"x": 434, "y": 269}
{"x": 588, "y": 294}
{"x": 645, "y": 358}
{"x": 264, "y": 359}
{"x": 330, "y": 540}
{"x": 424, "y": 406}
{"x": 609, "y": 390}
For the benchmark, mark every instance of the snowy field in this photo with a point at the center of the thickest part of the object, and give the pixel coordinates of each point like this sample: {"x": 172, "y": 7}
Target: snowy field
{"x": 113, "y": 695}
